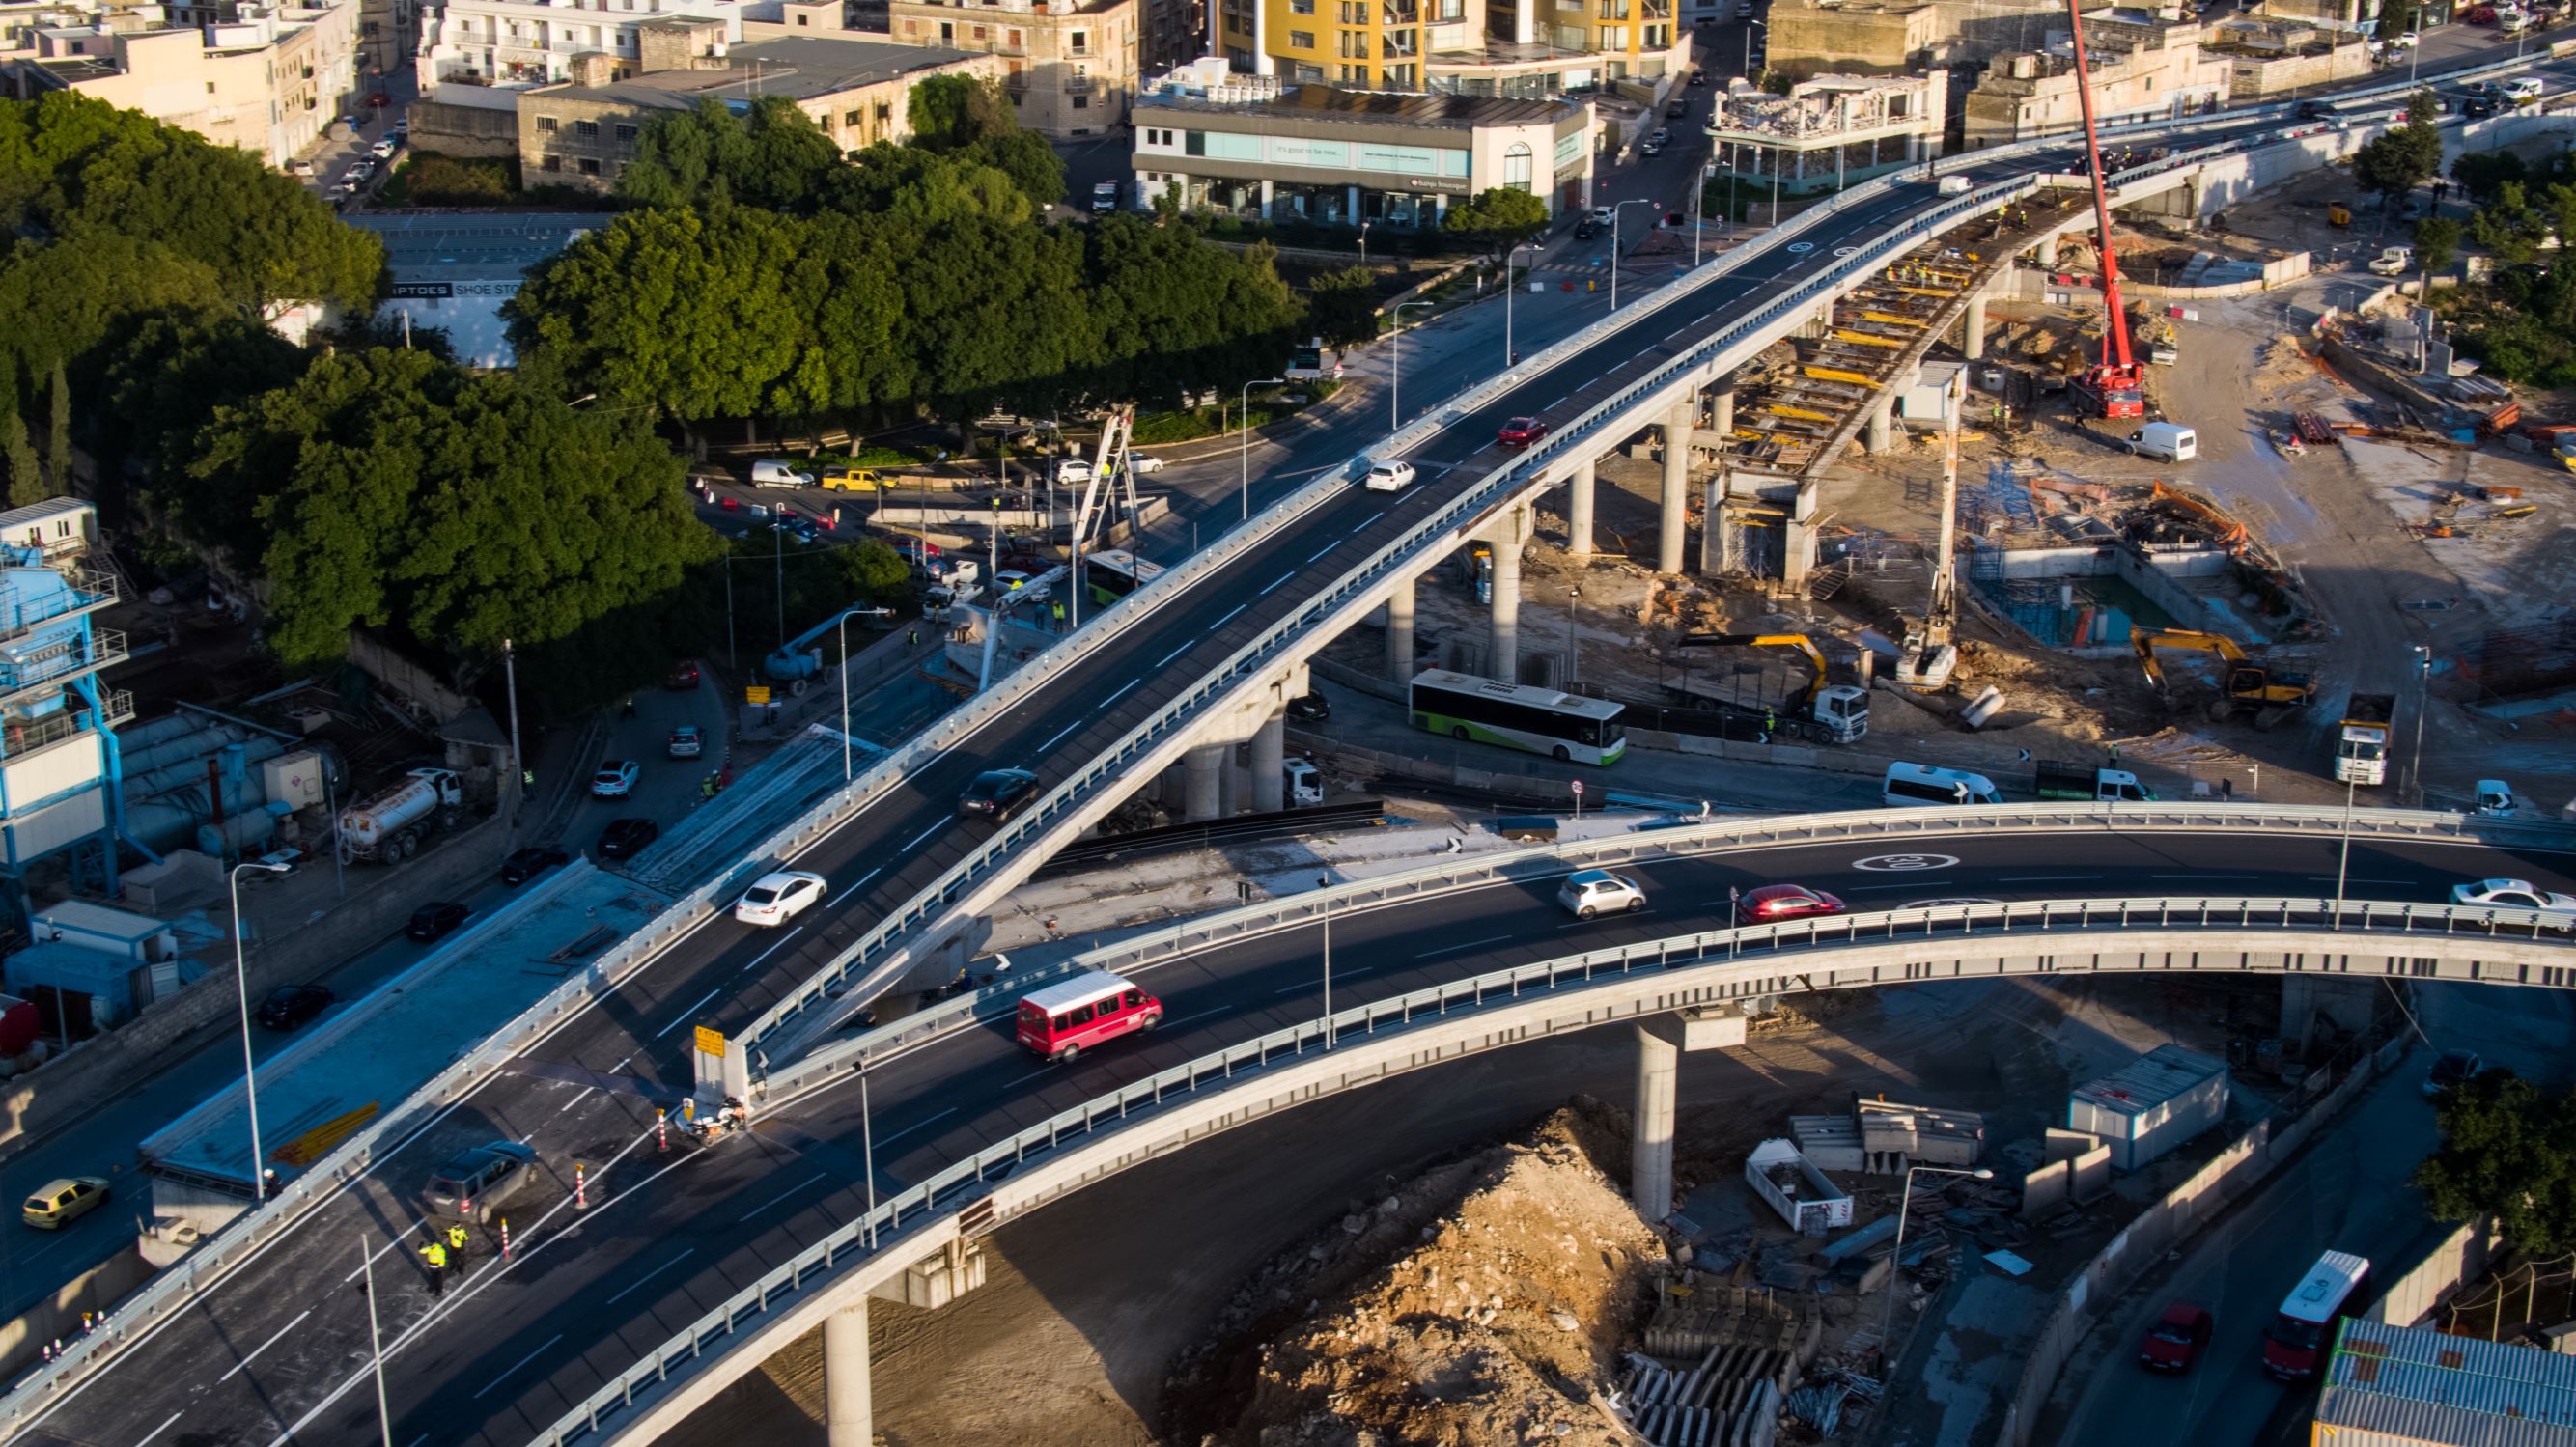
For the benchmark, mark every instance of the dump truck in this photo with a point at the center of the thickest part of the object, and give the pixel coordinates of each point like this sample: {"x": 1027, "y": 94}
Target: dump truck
{"x": 392, "y": 826}
{"x": 2361, "y": 743}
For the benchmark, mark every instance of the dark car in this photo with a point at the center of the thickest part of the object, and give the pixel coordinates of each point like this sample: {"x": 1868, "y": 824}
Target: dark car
{"x": 2314, "y": 110}
{"x": 2479, "y": 107}
{"x": 1310, "y": 708}
{"x": 1522, "y": 431}
{"x": 2455, "y": 1068}
{"x": 1586, "y": 229}
{"x": 291, "y": 1005}
{"x": 2174, "y": 1342}
{"x": 527, "y": 864}
{"x": 1698, "y": 78}
{"x": 1773, "y": 903}
{"x": 626, "y": 838}
{"x": 682, "y": 676}
{"x": 474, "y": 1185}
{"x": 434, "y": 920}
{"x": 1677, "y": 110}
{"x": 997, "y": 794}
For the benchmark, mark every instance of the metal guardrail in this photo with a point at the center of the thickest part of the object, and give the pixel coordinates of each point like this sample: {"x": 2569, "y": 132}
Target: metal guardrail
{"x": 821, "y": 1066}
{"x": 178, "y": 1287}
{"x": 883, "y": 1230}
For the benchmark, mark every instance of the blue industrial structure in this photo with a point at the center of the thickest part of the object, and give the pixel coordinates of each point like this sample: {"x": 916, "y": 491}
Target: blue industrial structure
{"x": 61, "y": 785}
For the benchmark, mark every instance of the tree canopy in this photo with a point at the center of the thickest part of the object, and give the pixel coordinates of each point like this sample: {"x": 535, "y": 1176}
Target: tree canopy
{"x": 1498, "y": 217}
{"x": 2403, "y": 157}
{"x": 2507, "y": 1148}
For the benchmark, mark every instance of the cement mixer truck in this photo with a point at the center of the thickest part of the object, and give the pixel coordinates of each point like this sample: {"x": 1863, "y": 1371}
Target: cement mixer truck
{"x": 392, "y": 826}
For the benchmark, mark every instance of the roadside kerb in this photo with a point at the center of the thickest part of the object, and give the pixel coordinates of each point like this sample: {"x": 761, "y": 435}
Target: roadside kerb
{"x": 1573, "y": 992}
{"x": 176, "y": 1287}
{"x": 821, "y": 1067}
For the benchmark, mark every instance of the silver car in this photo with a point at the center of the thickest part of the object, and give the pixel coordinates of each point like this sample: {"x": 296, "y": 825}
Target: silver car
{"x": 475, "y": 1184}
{"x": 1588, "y": 892}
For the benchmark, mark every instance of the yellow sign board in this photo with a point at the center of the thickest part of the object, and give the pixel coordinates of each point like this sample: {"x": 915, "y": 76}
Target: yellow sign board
{"x": 711, "y": 1041}
{"x": 756, "y": 693}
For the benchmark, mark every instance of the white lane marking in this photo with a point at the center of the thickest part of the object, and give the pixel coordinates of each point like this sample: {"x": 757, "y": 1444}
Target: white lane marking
{"x": 1328, "y": 547}
{"x": 514, "y": 1366}
{"x": 773, "y": 949}
{"x": 1372, "y": 517}
{"x": 1166, "y": 659}
{"x": 576, "y": 1100}
{"x": 685, "y": 1014}
{"x": 746, "y": 1216}
{"x": 1284, "y": 580}
{"x": 835, "y": 900}
{"x": 620, "y": 1065}
{"x": 1059, "y": 738}
{"x": 1185, "y": 1019}
{"x": 157, "y": 1431}
{"x": 1469, "y": 945}
{"x": 917, "y": 838}
{"x": 2045, "y": 878}
{"x": 1874, "y": 889}
{"x": 2209, "y": 876}
{"x": 263, "y": 1346}
{"x": 638, "y": 1283}
{"x": 886, "y": 1140}
{"x": 1239, "y": 607}
{"x": 1122, "y": 693}
{"x": 2363, "y": 881}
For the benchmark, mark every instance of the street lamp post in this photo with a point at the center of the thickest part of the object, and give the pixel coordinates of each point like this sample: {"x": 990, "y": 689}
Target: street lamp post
{"x": 868, "y": 1154}
{"x": 1395, "y": 369}
{"x": 1896, "y": 1255}
{"x": 1749, "y": 27}
{"x": 1364, "y": 226}
{"x": 1573, "y": 659}
{"x": 2343, "y": 856}
{"x": 1325, "y": 881}
{"x": 2423, "y": 706}
{"x": 1512, "y": 358}
{"x": 1614, "y": 245}
{"x": 241, "y": 977}
{"x": 1245, "y": 412}
{"x": 841, "y": 631}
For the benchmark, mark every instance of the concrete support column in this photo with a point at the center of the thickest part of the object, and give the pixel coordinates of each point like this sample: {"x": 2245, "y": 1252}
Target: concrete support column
{"x": 1678, "y": 431}
{"x": 1650, "y": 1146}
{"x": 1503, "y": 652}
{"x": 1722, "y": 410}
{"x": 1399, "y": 632}
{"x": 849, "y": 1414}
{"x": 1269, "y": 752}
{"x": 1206, "y": 799}
{"x": 1879, "y": 433}
{"x": 1972, "y": 328}
{"x": 2048, "y": 250}
{"x": 1578, "y": 506}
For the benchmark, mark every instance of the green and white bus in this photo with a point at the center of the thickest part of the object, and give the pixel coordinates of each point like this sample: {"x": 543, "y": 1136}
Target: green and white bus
{"x": 1114, "y": 574}
{"x": 1541, "y": 720}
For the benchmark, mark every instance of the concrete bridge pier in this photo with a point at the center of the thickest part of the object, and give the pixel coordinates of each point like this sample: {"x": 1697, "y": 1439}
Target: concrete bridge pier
{"x": 1578, "y": 506}
{"x": 2047, "y": 250}
{"x": 1399, "y": 631}
{"x": 1660, "y": 1043}
{"x": 1506, "y": 533}
{"x": 1878, "y": 434}
{"x": 1972, "y": 328}
{"x": 1721, "y": 420}
{"x": 1269, "y": 754}
{"x": 849, "y": 1405}
{"x": 1205, "y": 798}
{"x": 1679, "y": 429}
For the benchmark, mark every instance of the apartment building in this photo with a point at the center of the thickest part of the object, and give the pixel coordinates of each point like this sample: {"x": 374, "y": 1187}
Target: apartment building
{"x": 1829, "y": 132}
{"x": 1527, "y": 49}
{"x": 265, "y": 78}
{"x": 858, "y": 91}
{"x": 1069, "y": 66}
{"x": 2267, "y": 58}
{"x": 2143, "y": 66}
{"x": 518, "y": 43}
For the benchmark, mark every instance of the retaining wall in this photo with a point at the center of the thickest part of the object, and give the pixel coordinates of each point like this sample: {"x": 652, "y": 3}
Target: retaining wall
{"x": 2462, "y": 1256}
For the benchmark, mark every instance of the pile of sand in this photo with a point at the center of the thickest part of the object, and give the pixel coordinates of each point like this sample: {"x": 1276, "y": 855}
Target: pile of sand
{"x": 1480, "y": 1305}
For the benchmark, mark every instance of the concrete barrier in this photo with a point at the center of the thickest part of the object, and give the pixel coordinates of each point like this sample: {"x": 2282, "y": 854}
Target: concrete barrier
{"x": 58, "y": 1317}
{"x": 2462, "y": 1256}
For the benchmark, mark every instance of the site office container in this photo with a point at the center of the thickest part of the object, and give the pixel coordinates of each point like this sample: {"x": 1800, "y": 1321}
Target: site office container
{"x": 1091, "y": 1009}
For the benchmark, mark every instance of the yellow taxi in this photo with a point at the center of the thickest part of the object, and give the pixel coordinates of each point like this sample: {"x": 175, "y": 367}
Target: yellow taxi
{"x": 56, "y": 1204}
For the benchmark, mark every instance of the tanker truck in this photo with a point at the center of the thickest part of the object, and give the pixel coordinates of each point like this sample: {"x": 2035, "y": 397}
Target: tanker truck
{"x": 391, "y": 827}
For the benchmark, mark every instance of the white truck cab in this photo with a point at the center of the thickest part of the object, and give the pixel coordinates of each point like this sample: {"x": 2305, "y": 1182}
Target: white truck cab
{"x": 1305, "y": 782}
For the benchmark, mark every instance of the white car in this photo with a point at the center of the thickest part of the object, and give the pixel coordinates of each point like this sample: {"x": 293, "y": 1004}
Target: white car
{"x": 2392, "y": 261}
{"x": 615, "y": 779}
{"x": 2525, "y": 89}
{"x": 773, "y": 472}
{"x": 1072, "y": 469}
{"x": 2517, "y": 894}
{"x": 382, "y": 150}
{"x": 2406, "y": 41}
{"x": 1588, "y": 892}
{"x": 1144, "y": 464}
{"x": 1388, "y": 475}
{"x": 775, "y": 899}
{"x": 299, "y": 168}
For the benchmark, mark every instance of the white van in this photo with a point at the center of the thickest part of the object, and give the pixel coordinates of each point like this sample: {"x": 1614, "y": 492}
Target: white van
{"x": 773, "y": 472}
{"x": 2168, "y": 441}
{"x": 2525, "y": 89}
{"x": 1908, "y": 785}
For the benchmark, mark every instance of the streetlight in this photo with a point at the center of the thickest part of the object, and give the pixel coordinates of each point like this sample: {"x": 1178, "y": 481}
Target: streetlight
{"x": 1699, "y": 188}
{"x": 1246, "y": 411}
{"x": 2343, "y": 858}
{"x": 1364, "y": 226}
{"x": 1512, "y": 358}
{"x": 241, "y": 977}
{"x": 1395, "y": 370}
{"x": 1896, "y": 1255}
{"x": 1573, "y": 660}
{"x": 1614, "y": 244}
{"x": 840, "y": 630}
{"x": 868, "y": 1154}
{"x": 1325, "y": 881}
{"x": 2423, "y": 705}
{"x": 1749, "y": 27}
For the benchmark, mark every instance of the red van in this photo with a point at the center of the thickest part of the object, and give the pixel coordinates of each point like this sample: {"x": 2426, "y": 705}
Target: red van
{"x": 1067, "y": 1018}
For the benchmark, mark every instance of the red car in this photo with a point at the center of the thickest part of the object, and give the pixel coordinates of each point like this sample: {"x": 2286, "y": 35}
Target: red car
{"x": 1773, "y": 903}
{"x": 2174, "y": 1342}
{"x": 1522, "y": 431}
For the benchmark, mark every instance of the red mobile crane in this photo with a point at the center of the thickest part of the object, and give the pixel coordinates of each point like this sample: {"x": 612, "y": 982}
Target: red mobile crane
{"x": 2111, "y": 387}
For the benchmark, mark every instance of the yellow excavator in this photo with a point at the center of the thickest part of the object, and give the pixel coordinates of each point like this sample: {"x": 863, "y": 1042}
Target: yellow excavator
{"x": 1819, "y": 711}
{"x": 2247, "y": 688}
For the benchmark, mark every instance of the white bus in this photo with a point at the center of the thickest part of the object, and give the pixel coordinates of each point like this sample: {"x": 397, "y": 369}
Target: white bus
{"x": 1541, "y": 720}
{"x": 2295, "y": 1343}
{"x": 1112, "y": 575}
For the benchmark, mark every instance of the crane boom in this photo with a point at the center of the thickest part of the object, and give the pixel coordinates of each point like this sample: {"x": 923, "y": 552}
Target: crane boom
{"x": 2112, "y": 385}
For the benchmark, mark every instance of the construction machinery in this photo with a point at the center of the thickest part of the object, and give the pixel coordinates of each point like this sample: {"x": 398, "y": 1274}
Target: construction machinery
{"x": 2111, "y": 387}
{"x": 2361, "y": 739}
{"x": 1931, "y": 652}
{"x": 1833, "y": 713}
{"x": 2247, "y": 687}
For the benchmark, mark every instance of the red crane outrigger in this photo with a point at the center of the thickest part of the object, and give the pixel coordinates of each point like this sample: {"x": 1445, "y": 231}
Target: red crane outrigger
{"x": 2111, "y": 387}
